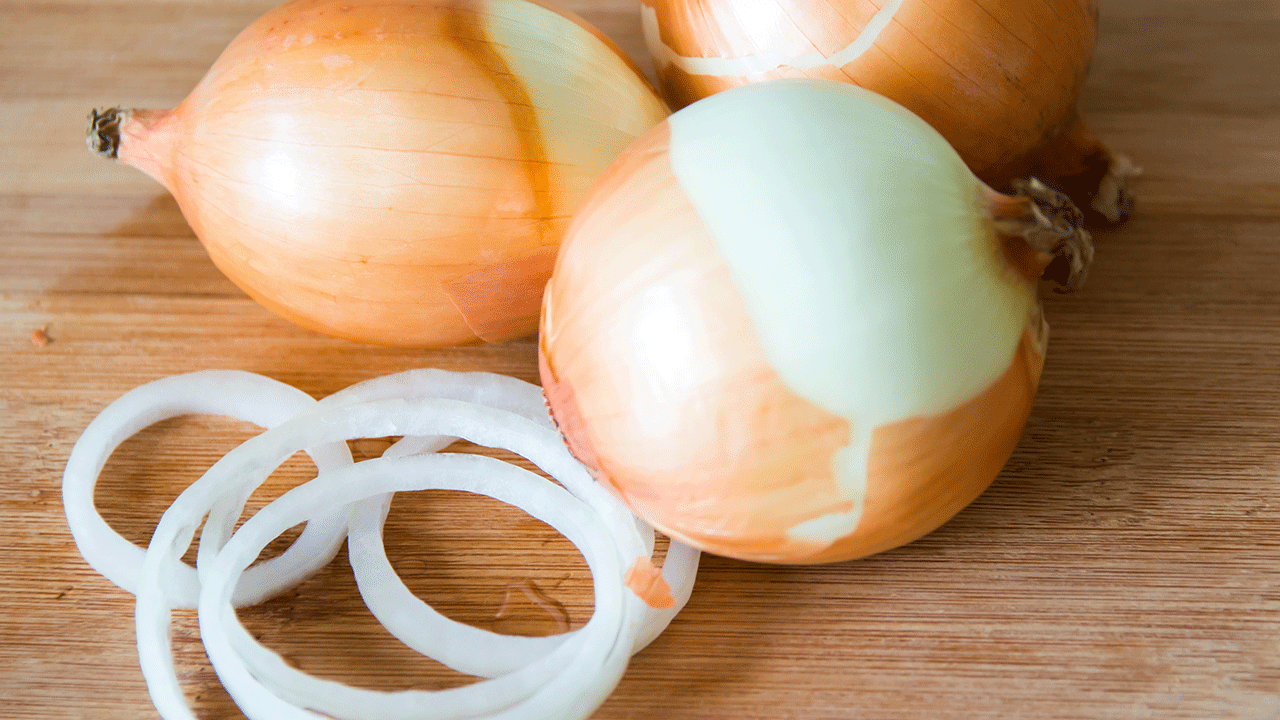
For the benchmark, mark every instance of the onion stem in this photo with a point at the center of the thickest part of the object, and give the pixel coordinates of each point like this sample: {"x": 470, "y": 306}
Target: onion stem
{"x": 1050, "y": 227}
{"x": 103, "y": 133}
{"x": 1075, "y": 161}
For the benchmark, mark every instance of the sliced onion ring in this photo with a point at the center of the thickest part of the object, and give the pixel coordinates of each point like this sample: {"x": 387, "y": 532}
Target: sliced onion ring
{"x": 430, "y": 408}
{"x": 463, "y": 647}
{"x": 241, "y": 395}
{"x": 460, "y": 646}
{"x": 563, "y": 684}
{"x": 249, "y": 464}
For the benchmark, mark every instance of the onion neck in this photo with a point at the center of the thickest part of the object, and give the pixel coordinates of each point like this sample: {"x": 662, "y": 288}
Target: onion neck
{"x": 1097, "y": 179}
{"x": 1042, "y": 233}
{"x": 141, "y": 138}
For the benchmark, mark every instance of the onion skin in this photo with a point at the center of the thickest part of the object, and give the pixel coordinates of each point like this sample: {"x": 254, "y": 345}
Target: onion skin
{"x": 999, "y": 79}
{"x": 396, "y": 172}
{"x": 658, "y": 378}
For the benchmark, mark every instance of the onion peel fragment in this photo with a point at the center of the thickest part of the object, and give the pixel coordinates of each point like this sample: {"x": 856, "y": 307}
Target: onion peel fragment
{"x": 645, "y": 580}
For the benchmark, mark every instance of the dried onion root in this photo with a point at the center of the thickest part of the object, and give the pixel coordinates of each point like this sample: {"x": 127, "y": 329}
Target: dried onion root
{"x": 562, "y": 676}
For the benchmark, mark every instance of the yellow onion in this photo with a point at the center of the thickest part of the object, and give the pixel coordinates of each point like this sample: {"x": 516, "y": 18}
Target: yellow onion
{"x": 999, "y": 79}
{"x": 393, "y": 171}
{"x": 790, "y": 325}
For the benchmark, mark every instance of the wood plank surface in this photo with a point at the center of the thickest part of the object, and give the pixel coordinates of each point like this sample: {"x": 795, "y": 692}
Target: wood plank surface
{"x": 1126, "y": 564}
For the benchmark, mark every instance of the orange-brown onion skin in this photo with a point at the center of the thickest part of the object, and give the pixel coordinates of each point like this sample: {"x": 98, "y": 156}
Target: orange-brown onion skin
{"x": 374, "y": 169}
{"x": 997, "y": 78}
{"x": 729, "y": 468}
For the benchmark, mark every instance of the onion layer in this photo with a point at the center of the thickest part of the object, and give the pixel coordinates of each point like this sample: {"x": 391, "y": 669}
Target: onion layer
{"x": 998, "y": 78}
{"x": 790, "y": 325}
{"x": 393, "y": 171}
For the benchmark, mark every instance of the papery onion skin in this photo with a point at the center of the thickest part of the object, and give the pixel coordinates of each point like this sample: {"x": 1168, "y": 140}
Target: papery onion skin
{"x": 999, "y": 79}
{"x": 396, "y": 172}
{"x": 664, "y": 382}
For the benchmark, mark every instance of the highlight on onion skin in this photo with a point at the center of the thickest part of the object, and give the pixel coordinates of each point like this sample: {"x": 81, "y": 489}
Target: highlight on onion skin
{"x": 999, "y": 80}
{"x": 396, "y": 172}
{"x": 804, "y": 375}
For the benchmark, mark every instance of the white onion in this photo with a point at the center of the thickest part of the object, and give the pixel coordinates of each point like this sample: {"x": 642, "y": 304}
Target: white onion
{"x": 249, "y": 464}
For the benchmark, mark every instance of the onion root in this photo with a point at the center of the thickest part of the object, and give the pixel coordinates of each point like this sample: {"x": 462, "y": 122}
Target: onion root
{"x": 1075, "y": 162}
{"x": 103, "y": 134}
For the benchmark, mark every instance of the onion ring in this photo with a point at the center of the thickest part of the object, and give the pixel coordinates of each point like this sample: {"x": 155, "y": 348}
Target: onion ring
{"x": 460, "y": 646}
{"x": 551, "y": 687}
{"x": 413, "y": 621}
{"x": 241, "y": 395}
{"x": 249, "y": 464}
{"x": 562, "y": 676}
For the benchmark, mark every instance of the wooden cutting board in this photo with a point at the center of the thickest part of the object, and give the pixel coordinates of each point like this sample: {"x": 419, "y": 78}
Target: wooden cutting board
{"x": 1125, "y": 565}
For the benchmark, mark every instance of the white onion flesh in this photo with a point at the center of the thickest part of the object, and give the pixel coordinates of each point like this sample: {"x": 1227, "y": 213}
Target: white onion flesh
{"x": 241, "y": 395}
{"x": 561, "y": 676}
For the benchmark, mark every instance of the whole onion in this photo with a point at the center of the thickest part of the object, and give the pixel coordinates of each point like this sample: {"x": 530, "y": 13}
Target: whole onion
{"x": 393, "y": 171}
{"x": 1000, "y": 79}
{"x": 790, "y": 325}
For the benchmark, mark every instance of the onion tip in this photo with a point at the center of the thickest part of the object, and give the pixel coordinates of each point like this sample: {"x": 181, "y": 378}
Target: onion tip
{"x": 1113, "y": 201}
{"x": 103, "y": 133}
{"x": 1054, "y": 228}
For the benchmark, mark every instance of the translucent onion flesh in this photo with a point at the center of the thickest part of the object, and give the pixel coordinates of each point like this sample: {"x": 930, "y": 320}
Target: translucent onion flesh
{"x": 558, "y": 677}
{"x": 560, "y": 684}
{"x": 244, "y": 396}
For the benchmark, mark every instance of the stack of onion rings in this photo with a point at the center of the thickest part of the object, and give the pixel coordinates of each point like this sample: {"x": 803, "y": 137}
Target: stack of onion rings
{"x": 558, "y": 677}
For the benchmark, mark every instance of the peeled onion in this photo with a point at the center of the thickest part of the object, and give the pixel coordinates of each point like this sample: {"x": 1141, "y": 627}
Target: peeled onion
{"x": 393, "y": 171}
{"x": 999, "y": 79}
{"x": 790, "y": 325}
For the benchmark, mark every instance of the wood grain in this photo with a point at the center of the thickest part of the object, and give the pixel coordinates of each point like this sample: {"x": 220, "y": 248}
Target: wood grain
{"x": 1126, "y": 564}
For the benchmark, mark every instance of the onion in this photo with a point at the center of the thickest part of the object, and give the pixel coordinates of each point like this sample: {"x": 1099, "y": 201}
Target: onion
{"x": 790, "y": 325}
{"x": 998, "y": 78}
{"x": 393, "y": 171}
{"x": 560, "y": 677}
